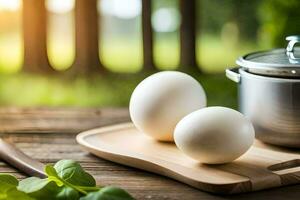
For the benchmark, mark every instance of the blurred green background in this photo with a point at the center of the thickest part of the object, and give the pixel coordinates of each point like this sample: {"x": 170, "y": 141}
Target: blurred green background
{"x": 225, "y": 30}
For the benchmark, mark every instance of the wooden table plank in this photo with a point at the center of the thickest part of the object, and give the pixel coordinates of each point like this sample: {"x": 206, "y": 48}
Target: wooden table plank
{"x": 62, "y": 120}
{"x": 54, "y": 146}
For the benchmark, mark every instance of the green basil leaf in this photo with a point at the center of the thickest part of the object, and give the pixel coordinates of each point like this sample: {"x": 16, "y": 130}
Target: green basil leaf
{"x": 39, "y": 188}
{"x": 8, "y": 189}
{"x": 50, "y": 170}
{"x": 7, "y": 182}
{"x": 73, "y": 173}
{"x": 14, "y": 194}
{"x": 67, "y": 193}
{"x": 108, "y": 193}
{"x": 52, "y": 175}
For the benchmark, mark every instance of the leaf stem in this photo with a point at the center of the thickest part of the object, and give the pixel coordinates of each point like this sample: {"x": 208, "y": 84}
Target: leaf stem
{"x": 73, "y": 186}
{"x": 89, "y": 188}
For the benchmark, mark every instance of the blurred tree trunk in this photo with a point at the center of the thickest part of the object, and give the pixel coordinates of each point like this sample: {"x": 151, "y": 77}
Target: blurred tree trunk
{"x": 188, "y": 35}
{"x": 87, "y": 35}
{"x": 35, "y": 36}
{"x": 147, "y": 35}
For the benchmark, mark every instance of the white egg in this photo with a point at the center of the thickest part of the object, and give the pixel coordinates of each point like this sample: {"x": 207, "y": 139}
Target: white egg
{"x": 214, "y": 135}
{"x": 161, "y": 100}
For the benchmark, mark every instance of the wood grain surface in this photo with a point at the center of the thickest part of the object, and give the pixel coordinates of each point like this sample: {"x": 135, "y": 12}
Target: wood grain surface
{"x": 53, "y": 146}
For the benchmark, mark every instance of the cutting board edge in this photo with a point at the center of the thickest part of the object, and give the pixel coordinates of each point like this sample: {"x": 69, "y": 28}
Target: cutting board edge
{"x": 228, "y": 188}
{"x": 222, "y": 188}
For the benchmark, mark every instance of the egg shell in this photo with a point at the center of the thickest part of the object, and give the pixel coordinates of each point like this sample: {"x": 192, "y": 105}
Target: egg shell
{"x": 214, "y": 135}
{"x": 160, "y": 101}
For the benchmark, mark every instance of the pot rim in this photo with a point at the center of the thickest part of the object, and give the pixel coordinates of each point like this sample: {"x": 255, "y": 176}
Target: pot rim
{"x": 243, "y": 72}
{"x": 275, "y": 62}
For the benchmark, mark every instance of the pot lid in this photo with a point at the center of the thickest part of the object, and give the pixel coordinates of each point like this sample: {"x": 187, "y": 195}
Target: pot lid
{"x": 277, "y": 62}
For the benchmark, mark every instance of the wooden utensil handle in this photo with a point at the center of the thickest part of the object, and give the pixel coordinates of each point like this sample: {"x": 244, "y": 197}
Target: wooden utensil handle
{"x": 13, "y": 156}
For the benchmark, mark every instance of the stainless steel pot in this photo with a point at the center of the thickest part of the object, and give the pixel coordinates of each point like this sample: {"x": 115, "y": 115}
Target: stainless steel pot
{"x": 269, "y": 93}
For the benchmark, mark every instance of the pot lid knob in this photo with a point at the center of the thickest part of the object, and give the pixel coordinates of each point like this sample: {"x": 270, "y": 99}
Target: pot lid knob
{"x": 293, "y": 39}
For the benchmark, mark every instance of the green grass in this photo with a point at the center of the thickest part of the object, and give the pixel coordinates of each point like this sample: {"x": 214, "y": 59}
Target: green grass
{"x": 213, "y": 54}
{"x": 118, "y": 55}
{"x": 11, "y": 53}
{"x": 123, "y": 55}
{"x": 95, "y": 91}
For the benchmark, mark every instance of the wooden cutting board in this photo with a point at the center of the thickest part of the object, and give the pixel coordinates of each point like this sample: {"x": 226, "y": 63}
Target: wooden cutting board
{"x": 263, "y": 166}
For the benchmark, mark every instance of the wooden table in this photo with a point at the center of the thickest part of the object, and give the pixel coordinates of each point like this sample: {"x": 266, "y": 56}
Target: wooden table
{"x": 48, "y": 135}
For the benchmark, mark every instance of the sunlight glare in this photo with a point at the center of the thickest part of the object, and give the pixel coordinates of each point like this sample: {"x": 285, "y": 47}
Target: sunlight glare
{"x": 166, "y": 20}
{"x": 10, "y": 5}
{"x": 60, "y": 6}
{"x": 124, "y": 9}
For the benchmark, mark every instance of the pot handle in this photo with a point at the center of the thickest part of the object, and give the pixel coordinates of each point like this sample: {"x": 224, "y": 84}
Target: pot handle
{"x": 233, "y": 74}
